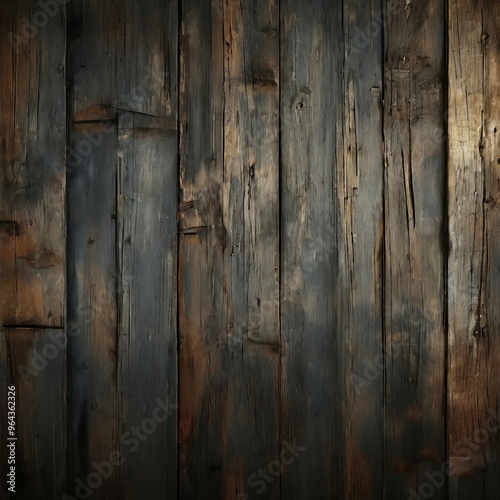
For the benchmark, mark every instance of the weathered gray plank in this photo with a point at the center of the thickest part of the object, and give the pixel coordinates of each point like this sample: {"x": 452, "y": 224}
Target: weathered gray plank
{"x": 414, "y": 255}
{"x": 148, "y": 179}
{"x": 147, "y": 72}
{"x": 473, "y": 267}
{"x": 229, "y": 333}
{"x": 33, "y": 361}
{"x": 311, "y": 147}
{"x": 94, "y": 38}
{"x": 136, "y": 67}
{"x": 93, "y": 424}
{"x": 361, "y": 244}
{"x": 32, "y": 135}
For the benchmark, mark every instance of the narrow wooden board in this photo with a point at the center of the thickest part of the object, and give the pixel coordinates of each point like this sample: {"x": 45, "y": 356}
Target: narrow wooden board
{"x": 93, "y": 423}
{"x": 360, "y": 177}
{"x": 473, "y": 266}
{"x": 312, "y": 55}
{"x": 201, "y": 298}
{"x": 32, "y": 174}
{"x": 228, "y": 260}
{"x": 33, "y": 361}
{"x": 147, "y": 72}
{"x": 147, "y": 194}
{"x": 415, "y": 339}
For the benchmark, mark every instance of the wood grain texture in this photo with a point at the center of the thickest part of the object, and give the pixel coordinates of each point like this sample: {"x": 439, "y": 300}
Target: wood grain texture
{"x": 312, "y": 56}
{"x": 228, "y": 260}
{"x": 414, "y": 257}
{"x": 34, "y": 362}
{"x": 360, "y": 233}
{"x": 137, "y": 58}
{"x": 201, "y": 301}
{"x": 32, "y": 137}
{"x": 473, "y": 270}
{"x": 92, "y": 311}
{"x": 267, "y": 225}
{"x": 147, "y": 197}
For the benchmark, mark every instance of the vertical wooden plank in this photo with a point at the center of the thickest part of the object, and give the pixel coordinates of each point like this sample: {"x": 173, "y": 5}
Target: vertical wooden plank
{"x": 414, "y": 256}
{"x": 361, "y": 245}
{"x": 229, "y": 323}
{"x": 94, "y": 37}
{"x": 200, "y": 249}
{"x": 147, "y": 71}
{"x": 8, "y": 233}
{"x": 148, "y": 314}
{"x": 311, "y": 298}
{"x": 473, "y": 270}
{"x": 137, "y": 57}
{"x": 92, "y": 311}
{"x": 33, "y": 361}
{"x": 251, "y": 194}
{"x": 147, "y": 84}
{"x": 250, "y": 213}
{"x": 32, "y": 138}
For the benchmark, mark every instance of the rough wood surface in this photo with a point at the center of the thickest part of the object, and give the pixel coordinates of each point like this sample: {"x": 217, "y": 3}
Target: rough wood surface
{"x": 32, "y": 138}
{"x": 474, "y": 262}
{"x": 147, "y": 194}
{"x": 35, "y": 366}
{"x": 415, "y": 251}
{"x": 92, "y": 310}
{"x": 311, "y": 150}
{"x": 137, "y": 57}
{"x": 267, "y": 226}
{"x": 229, "y": 330}
{"x": 201, "y": 244}
{"x": 360, "y": 176}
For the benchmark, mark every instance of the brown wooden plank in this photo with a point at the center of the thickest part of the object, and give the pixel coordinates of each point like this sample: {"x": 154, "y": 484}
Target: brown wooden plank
{"x": 33, "y": 137}
{"x": 414, "y": 256}
{"x": 312, "y": 56}
{"x": 228, "y": 289}
{"x": 33, "y": 361}
{"x": 93, "y": 424}
{"x": 8, "y": 233}
{"x": 200, "y": 250}
{"x": 148, "y": 179}
{"x": 473, "y": 269}
{"x": 361, "y": 244}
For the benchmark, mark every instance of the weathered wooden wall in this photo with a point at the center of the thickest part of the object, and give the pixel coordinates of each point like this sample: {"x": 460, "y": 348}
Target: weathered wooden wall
{"x": 251, "y": 249}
